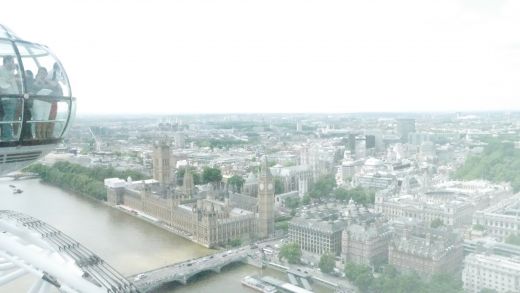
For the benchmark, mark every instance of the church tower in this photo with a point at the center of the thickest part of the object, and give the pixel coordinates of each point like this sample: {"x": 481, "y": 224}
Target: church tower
{"x": 265, "y": 201}
{"x": 162, "y": 170}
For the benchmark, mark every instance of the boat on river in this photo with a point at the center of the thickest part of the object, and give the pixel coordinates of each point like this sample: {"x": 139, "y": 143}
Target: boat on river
{"x": 258, "y": 285}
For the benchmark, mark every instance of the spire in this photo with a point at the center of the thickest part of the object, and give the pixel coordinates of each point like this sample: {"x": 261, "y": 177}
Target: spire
{"x": 264, "y": 168}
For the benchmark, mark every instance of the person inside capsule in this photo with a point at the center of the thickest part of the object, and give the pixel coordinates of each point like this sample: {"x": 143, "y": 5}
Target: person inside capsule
{"x": 9, "y": 85}
{"x": 43, "y": 110}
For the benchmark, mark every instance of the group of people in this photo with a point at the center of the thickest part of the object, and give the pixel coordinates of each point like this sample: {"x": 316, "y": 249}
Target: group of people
{"x": 37, "y": 110}
{"x": 43, "y": 110}
{"x": 44, "y": 84}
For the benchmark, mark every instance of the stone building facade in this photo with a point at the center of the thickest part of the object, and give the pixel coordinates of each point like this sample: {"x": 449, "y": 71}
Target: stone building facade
{"x": 208, "y": 222}
{"x": 163, "y": 164}
{"x": 316, "y": 236}
{"x": 294, "y": 178}
{"x": 426, "y": 251}
{"x": 493, "y": 272}
{"x": 502, "y": 219}
{"x": 366, "y": 244}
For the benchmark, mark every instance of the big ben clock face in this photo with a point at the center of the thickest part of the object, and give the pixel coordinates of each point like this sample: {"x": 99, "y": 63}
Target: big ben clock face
{"x": 261, "y": 186}
{"x": 270, "y": 186}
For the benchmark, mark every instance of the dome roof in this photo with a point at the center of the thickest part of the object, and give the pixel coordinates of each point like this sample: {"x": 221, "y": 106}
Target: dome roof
{"x": 6, "y": 33}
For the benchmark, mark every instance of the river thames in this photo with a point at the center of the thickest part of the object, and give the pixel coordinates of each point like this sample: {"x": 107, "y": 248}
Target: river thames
{"x": 128, "y": 244}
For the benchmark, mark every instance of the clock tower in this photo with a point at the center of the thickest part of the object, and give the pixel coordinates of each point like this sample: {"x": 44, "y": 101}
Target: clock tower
{"x": 265, "y": 201}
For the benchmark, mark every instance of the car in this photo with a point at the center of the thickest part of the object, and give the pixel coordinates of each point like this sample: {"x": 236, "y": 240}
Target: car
{"x": 140, "y": 277}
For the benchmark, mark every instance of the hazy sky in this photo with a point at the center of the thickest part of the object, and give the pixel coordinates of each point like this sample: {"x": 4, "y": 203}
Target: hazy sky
{"x": 280, "y": 56}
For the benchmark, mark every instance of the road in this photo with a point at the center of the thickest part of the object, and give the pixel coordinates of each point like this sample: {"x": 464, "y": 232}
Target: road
{"x": 314, "y": 271}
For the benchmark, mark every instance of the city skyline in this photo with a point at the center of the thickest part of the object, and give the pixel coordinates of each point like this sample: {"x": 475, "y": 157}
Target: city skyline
{"x": 343, "y": 195}
{"x": 279, "y": 146}
{"x": 281, "y": 57}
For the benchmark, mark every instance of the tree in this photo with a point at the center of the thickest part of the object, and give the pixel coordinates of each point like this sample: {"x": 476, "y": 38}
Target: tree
{"x": 211, "y": 175}
{"x": 352, "y": 270}
{"x": 436, "y": 223}
{"x": 360, "y": 275}
{"x": 498, "y": 163}
{"x": 292, "y": 202}
{"x": 478, "y": 227}
{"x": 444, "y": 283}
{"x": 278, "y": 185}
{"x": 291, "y": 252}
{"x": 236, "y": 182}
{"x": 235, "y": 242}
{"x": 391, "y": 281}
{"x": 322, "y": 187}
{"x": 342, "y": 194}
{"x": 513, "y": 239}
{"x": 364, "y": 280}
{"x": 73, "y": 177}
{"x": 306, "y": 200}
{"x": 327, "y": 263}
{"x": 359, "y": 194}
{"x": 283, "y": 225}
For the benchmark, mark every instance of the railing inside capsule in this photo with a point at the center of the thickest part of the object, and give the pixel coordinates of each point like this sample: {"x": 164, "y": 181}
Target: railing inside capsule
{"x": 33, "y": 120}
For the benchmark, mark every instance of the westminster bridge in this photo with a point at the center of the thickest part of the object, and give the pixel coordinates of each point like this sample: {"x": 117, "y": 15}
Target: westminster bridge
{"x": 183, "y": 271}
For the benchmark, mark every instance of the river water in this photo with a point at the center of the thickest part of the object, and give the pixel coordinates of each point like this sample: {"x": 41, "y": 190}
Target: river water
{"x": 128, "y": 244}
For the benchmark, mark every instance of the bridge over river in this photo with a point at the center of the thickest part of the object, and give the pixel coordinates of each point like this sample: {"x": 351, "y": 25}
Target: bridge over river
{"x": 21, "y": 175}
{"x": 182, "y": 272}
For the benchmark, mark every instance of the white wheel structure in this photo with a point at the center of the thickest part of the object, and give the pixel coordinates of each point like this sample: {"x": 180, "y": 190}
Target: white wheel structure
{"x": 30, "y": 246}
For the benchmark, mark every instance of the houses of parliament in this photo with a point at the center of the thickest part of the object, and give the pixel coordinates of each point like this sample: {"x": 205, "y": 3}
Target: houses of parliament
{"x": 201, "y": 217}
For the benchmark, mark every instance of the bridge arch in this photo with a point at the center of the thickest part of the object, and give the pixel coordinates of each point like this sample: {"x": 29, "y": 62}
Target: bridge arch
{"x": 170, "y": 286}
{"x": 201, "y": 273}
{"x": 231, "y": 264}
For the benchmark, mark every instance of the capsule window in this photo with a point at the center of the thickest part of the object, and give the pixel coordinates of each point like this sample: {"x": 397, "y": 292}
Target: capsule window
{"x": 10, "y": 89}
{"x": 44, "y": 75}
{"x": 60, "y": 120}
{"x": 11, "y": 118}
{"x": 71, "y": 117}
{"x": 46, "y": 118}
{"x": 10, "y": 78}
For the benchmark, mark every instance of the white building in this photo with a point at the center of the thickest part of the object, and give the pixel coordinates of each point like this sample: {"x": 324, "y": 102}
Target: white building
{"x": 494, "y": 272}
{"x": 454, "y": 203}
{"x": 502, "y": 219}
